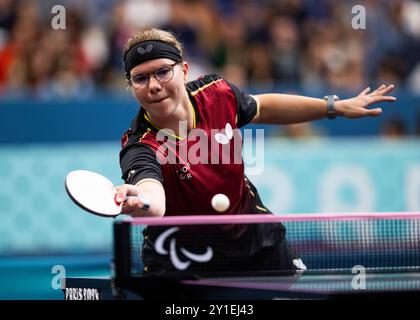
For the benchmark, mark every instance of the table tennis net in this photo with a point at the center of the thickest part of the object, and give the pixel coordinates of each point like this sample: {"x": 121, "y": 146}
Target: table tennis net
{"x": 323, "y": 243}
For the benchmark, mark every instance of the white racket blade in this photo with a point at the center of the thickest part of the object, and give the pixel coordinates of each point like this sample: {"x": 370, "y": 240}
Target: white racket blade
{"x": 93, "y": 193}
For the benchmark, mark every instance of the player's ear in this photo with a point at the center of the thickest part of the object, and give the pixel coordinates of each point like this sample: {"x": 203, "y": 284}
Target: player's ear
{"x": 129, "y": 87}
{"x": 185, "y": 68}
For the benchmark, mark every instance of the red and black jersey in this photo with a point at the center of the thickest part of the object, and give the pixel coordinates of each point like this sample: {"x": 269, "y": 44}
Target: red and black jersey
{"x": 220, "y": 109}
{"x": 189, "y": 187}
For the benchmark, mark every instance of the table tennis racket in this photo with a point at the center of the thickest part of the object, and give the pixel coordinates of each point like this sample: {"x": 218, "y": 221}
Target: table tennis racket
{"x": 93, "y": 193}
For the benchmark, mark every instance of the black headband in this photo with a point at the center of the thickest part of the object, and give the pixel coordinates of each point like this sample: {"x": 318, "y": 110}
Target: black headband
{"x": 149, "y": 50}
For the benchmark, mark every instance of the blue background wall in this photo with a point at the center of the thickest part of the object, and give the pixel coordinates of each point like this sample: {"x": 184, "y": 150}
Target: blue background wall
{"x": 106, "y": 119}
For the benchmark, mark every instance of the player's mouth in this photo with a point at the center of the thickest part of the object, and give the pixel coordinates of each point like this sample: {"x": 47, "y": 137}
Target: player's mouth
{"x": 159, "y": 100}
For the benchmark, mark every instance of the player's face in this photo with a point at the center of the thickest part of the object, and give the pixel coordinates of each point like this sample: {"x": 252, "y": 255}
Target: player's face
{"x": 162, "y": 92}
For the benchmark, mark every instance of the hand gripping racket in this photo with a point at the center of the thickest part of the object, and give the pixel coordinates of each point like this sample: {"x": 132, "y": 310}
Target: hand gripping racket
{"x": 94, "y": 193}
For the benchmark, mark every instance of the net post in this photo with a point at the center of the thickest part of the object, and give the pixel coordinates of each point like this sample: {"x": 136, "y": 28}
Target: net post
{"x": 122, "y": 249}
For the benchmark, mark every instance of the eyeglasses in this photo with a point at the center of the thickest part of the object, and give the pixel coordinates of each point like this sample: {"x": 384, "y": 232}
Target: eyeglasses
{"x": 163, "y": 74}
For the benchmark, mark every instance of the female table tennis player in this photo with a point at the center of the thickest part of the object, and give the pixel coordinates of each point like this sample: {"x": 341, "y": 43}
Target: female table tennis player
{"x": 158, "y": 77}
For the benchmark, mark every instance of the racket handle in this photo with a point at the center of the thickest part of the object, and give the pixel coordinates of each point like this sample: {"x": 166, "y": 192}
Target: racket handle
{"x": 146, "y": 202}
{"x": 131, "y": 197}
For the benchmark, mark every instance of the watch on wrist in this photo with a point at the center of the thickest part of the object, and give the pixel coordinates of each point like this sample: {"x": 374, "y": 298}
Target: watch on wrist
{"x": 331, "y": 99}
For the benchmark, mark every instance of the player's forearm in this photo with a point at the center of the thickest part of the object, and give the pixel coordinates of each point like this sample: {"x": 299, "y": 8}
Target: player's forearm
{"x": 289, "y": 109}
{"x": 146, "y": 199}
{"x": 156, "y": 206}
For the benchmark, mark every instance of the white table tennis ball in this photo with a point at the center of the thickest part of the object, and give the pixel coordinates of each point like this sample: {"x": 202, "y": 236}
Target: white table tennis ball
{"x": 220, "y": 202}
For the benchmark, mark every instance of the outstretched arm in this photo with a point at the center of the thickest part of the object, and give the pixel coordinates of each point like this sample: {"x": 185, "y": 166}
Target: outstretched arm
{"x": 289, "y": 109}
{"x": 149, "y": 189}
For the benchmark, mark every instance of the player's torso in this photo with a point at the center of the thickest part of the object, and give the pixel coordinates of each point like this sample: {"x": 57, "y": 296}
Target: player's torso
{"x": 208, "y": 161}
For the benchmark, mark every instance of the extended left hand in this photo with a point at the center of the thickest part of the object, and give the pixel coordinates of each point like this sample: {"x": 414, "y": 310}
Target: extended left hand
{"x": 357, "y": 107}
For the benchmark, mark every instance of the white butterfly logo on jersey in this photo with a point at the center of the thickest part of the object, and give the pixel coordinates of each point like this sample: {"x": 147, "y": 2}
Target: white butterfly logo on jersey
{"x": 178, "y": 263}
{"x": 224, "y": 138}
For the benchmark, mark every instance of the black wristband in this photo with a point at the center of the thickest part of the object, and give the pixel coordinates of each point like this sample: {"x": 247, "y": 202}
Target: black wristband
{"x": 331, "y": 113}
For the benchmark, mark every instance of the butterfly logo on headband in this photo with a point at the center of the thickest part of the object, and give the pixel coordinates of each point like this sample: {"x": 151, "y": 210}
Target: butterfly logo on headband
{"x": 142, "y": 50}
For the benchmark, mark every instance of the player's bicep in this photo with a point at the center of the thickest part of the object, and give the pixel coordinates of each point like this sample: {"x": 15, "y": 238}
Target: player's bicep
{"x": 139, "y": 163}
{"x": 257, "y": 115}
{"x": 247, "y": 106}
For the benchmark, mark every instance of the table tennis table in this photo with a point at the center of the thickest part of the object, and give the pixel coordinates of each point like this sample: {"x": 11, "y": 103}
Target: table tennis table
{"x": 322, "y": 285}
{"x": 389, "y": 257}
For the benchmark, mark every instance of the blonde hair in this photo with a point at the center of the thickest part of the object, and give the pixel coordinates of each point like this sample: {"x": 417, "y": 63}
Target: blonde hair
{"x": 154, "y": 34}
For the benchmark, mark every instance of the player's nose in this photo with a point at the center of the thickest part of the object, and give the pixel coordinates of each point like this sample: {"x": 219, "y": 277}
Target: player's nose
{"x": 154, "y": 85}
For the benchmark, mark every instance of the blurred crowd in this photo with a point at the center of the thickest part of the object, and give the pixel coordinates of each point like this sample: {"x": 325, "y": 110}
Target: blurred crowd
{"x": 258, "y": 44}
